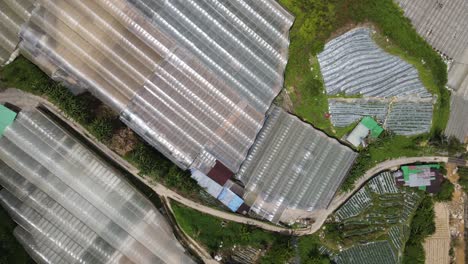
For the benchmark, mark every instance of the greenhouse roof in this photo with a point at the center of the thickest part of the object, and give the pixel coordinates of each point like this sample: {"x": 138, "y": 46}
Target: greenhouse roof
{"x": 74, "y": 201}
{"x": 192, "y": 78}
{"x": 292, "y": 166}
{"x": 373, "y": 126}
{"x": 7, "y": 117}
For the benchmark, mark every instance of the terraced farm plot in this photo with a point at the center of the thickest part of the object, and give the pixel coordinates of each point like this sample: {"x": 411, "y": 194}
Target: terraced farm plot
{"x": 353, "y": 63}
{"x": 373, "y": 225}
{"x": 391, "y": 89}
{"x": 402, "y": 117}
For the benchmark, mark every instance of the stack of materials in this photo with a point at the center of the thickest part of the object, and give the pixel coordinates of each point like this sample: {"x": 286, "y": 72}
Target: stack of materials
{"x": 73, "y": 208}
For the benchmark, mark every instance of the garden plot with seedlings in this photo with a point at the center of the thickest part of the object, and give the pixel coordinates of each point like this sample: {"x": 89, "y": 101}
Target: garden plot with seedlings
{"x": 373, "y": 224}
{"x": 403, "y": 117}
{"x": 390, "y": 88}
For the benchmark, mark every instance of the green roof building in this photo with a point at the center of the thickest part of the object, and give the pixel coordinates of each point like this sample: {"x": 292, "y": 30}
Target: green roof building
{"x": 367, "y": 126}
{"x": 421, "y": 176}
{"x": 7, "y": 117}
{"x": 373, "y": 126}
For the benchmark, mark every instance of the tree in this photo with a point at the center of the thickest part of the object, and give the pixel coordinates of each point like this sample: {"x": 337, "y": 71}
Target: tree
{"x": 445, "y": 193}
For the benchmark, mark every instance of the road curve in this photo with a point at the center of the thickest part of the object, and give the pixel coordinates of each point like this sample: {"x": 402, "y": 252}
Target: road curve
{"x": 28, "y": 101}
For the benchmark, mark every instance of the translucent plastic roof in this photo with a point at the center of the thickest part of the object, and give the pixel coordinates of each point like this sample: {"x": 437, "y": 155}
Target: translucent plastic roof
{"x": 13, "y": 14}
{"x": 71, "y": 206}
{"x": 190, "y": 76}
{"x": 292, "y": 166}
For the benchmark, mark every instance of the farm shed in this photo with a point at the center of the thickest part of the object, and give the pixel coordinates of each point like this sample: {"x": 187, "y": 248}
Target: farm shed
{"x": 424, "y": 177}
{"x": 367, "y": 127}
{"x": 72, "y": 207}
{"x": 221, "y": 192}
{"x": 292, "y": 166}
{"x": 193, "y": 78}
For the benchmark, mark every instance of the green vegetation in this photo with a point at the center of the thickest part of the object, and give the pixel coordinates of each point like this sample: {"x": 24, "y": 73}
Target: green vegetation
{"x": 445, "y": 193}
{"x": 374, "y": 222}
{"x": 10, "y": 250}
{"x": 422, "y": 226}
{"x": 24, "y": 75}
{"x": 213, "y": 232}
{"x": 309, "y": 251}
{"x": 463, "y": 181}
{"x": 153, "y": 164}
{"x": 316, "y": 20}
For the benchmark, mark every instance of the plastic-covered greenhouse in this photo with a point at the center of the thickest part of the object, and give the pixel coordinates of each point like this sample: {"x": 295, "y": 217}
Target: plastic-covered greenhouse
{"x": 72, "y": 207}
{"x": 13, "y": 14}
{"x": 194, "y": 78}
{"x": 292, "y": 166}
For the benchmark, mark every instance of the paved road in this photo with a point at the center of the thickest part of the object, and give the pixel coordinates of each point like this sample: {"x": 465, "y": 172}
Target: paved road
{"x": 27, "y": 101}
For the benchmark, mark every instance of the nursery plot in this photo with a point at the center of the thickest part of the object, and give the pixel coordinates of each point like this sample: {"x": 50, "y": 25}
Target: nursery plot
{"x": 353, "y": 64}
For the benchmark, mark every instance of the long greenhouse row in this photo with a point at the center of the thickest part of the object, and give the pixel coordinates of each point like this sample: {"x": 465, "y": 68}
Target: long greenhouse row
{"x": 212, "y": 68}
{"x": 353, "y": 64}
{"x": 72, "y": 207}
{"x": 292, "y": 166}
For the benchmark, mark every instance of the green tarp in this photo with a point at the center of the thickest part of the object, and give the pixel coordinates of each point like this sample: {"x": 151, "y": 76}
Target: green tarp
{"x": 6, "y": 118}
{"x": 373, "y": 126}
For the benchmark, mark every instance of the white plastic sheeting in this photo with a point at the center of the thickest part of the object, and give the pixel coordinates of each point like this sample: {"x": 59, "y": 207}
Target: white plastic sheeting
{"x": 403, "y": 117}
{"x": 292, "y": 166}
{"x": 13, "y": 14}
{"x": 190, "y": 77}
{"x": 353, "y": 63}
{"x": 391, "y": 89}
{"x": 71, "y": 206}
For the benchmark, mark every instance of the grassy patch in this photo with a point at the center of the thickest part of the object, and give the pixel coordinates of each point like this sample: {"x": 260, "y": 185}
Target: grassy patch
{"x": 213, "y": 232}
{"x": 310, "y": 100}
{"x": 221, "y": 236}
